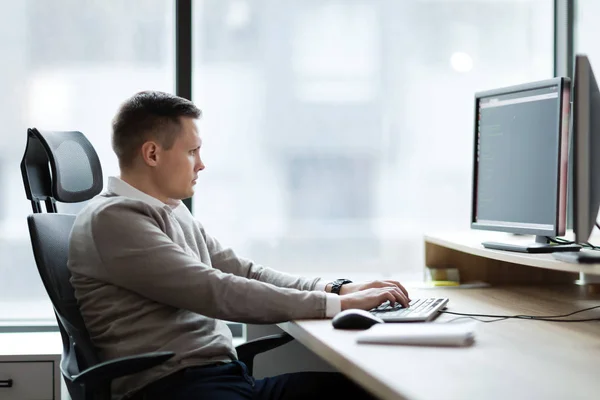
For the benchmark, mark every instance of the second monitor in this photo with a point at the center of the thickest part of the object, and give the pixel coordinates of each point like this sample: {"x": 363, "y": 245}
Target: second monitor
{"x": 520, "y": 163}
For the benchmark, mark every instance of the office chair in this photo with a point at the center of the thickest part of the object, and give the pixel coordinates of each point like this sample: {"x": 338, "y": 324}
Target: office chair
{"x": 63, "y": 166}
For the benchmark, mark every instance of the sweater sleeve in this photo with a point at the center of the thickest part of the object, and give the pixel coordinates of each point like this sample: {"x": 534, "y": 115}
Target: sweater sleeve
{"x": 227, "y": 261}
{"x": 136, "y": 254}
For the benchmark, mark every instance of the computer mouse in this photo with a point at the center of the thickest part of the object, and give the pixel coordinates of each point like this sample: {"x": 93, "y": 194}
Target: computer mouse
{"x": 355, "y": 319}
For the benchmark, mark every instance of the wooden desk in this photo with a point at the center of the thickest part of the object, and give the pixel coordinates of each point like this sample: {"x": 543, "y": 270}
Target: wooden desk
{"x": 510, "y": 359}
{"x": 464, "y": 251}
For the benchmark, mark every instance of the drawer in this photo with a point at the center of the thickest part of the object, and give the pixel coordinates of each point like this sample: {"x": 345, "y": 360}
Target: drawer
{"x": 30, "y": 380}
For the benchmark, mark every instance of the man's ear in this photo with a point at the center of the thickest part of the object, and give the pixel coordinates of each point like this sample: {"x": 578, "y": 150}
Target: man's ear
{"x": 150, "y": 153}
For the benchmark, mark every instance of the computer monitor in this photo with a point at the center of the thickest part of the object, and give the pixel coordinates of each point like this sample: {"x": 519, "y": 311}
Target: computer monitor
{"x": 586, "y": 149}
{"x": 520, "y": 163}
{"x": 586, "y": 158}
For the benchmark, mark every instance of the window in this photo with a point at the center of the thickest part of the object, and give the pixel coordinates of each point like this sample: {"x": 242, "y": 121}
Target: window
{"x": 336, "y": 133}
{"x": 68, "y": 64}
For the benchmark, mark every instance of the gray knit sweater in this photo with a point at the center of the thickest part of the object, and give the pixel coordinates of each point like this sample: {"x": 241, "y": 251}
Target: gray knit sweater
{"x": 149, "y": 279}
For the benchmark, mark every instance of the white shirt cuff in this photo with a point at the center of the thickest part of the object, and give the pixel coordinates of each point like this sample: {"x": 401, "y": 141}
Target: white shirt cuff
{"x": 334, "y": 305}
{"x": 321, "y": 285}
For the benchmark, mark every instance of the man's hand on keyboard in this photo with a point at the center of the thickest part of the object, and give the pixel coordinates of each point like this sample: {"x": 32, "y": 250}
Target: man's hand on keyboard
{"x": 357, "y": 287}
{"x": 367, "y": 299}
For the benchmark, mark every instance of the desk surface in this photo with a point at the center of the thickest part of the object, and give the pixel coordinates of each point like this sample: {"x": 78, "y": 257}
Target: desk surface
{"x": 469, "y": 242}
{"x": 511, "y": 359}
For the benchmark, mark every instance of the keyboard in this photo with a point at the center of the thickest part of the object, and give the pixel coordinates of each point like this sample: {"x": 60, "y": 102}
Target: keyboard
{"x": 419, "y": 310}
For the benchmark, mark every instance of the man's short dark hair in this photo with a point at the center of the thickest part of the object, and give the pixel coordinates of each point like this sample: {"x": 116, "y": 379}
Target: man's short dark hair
{"x": 148, "y": 115}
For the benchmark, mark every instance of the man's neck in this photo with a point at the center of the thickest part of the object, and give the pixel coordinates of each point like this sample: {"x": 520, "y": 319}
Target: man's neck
{"x": 144, "y": 184}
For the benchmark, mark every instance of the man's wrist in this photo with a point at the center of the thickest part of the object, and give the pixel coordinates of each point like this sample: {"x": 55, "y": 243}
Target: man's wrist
{"x": 336, "y": 285}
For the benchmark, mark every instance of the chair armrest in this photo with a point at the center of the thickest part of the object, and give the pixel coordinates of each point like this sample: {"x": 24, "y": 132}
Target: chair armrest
{"x": 248, "y": 350}
{"x": 105, "y": 372}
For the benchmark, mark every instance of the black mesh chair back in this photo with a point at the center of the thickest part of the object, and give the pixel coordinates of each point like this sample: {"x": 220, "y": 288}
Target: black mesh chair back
{"x": 60, "y": 166}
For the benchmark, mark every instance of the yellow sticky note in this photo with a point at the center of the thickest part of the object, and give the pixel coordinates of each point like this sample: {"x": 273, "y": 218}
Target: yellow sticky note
{"x": 445, "y": 283}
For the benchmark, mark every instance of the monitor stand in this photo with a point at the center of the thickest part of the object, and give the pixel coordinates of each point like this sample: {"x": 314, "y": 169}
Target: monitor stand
{"x": 541, "y": 245}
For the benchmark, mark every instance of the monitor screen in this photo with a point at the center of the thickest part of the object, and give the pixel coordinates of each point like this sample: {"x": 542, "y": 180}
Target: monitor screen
{"x": 520, "y": 161}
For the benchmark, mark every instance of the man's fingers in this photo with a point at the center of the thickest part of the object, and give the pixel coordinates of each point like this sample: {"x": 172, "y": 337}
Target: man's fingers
{"x": 399, "y": 285}
{"x": 389, "y": 293}
{"x": 398, "y": 296}
{"x": 389, "y": 283}
{"x": 387, "y": 296}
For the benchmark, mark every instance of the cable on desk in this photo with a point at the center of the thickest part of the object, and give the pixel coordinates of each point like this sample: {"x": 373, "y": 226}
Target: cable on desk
{"x": 558, "y": 240}
{"x": 549, "y": 318}
{"x": 593, "y": 247}
{"x": 475, "y": 318}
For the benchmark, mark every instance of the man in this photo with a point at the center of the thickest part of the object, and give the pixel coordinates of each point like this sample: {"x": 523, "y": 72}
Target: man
{"x": 149, "y": 278}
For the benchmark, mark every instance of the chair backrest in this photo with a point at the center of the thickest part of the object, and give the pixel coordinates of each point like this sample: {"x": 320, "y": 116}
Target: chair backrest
{"x": 60, "y": 166}
{"x": 75, "y": 173}
{"x": 50, "y": 242}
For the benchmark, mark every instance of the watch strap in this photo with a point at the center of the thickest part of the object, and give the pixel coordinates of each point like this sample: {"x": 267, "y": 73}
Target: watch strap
{"x": 336, "y": 285}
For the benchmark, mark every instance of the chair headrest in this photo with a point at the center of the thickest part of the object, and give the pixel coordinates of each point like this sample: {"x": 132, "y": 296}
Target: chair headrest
{"x": 75, "y": 172}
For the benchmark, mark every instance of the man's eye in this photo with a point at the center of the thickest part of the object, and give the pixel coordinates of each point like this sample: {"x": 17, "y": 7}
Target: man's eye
{"x": 193, "y": 152}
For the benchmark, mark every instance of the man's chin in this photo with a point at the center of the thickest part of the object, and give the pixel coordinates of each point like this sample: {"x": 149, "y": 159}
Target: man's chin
{"x": 185, "y": 195}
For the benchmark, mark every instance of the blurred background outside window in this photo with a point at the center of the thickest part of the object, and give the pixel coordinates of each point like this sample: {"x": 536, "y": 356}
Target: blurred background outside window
{"x": 67, "y": 65}
{"x": 335, "y": 132}
{"x": 338, "y": 132}
{"x": 587, "y": 31}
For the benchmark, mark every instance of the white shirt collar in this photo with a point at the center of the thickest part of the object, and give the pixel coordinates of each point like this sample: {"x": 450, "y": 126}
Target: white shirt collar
{"x": 121, "y": 188}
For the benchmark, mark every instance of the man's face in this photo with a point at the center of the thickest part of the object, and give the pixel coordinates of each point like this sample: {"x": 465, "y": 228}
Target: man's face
{"x": 179, "y": 166}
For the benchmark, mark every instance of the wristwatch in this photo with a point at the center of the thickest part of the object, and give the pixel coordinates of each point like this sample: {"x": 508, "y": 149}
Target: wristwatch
{"x": 336, "y": 285}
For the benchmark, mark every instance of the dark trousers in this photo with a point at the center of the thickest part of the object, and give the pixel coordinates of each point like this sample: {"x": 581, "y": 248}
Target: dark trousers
{"x": 231, "y": 381}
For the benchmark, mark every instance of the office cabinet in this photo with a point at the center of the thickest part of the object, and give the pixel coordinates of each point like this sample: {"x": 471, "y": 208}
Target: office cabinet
{"x": 29, "y": 366}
